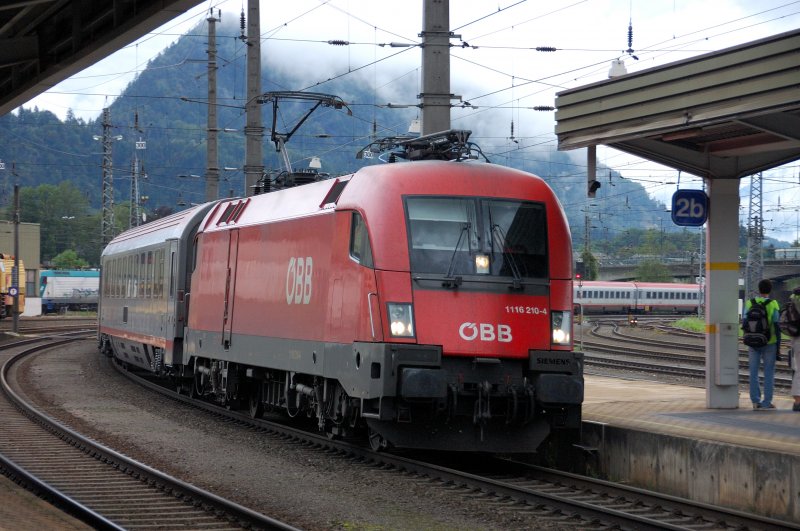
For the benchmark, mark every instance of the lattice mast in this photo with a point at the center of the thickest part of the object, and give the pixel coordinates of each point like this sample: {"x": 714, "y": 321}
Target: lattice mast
{"x": 754, "y": 268}
{"x": 107, "y": 222}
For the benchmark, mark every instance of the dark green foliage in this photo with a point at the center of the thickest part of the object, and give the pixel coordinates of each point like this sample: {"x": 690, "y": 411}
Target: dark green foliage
{"x": 69, "y": 259}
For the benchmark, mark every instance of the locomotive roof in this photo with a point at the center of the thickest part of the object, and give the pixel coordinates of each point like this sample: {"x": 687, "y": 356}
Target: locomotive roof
{"x": 368, "y": 188}
{"x": 176, "y": 226}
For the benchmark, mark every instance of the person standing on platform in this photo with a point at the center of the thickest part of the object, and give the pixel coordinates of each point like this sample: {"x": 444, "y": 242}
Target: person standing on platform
{"x": 767, "y": 350}
{"x": 794, "y": 299}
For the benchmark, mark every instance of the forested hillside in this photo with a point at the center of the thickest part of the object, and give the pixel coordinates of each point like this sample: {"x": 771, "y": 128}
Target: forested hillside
{"x": 164, "y": 106}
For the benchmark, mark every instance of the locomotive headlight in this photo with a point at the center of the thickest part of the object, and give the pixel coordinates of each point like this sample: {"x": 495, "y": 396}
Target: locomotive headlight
{"x": 482, "y": 264}
{"x": 401, "y": 319}
{"x": 561, "y": 324}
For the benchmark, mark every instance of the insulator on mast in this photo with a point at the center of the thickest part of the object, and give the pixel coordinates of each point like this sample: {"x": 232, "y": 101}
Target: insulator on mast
{"x": 242, "y": 23}
{"x": 630, "y": 34}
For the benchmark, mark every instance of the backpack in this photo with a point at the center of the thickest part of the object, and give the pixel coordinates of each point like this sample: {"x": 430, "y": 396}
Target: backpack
{"x": 756, "y": 324}
{"x": 790, "y": 318}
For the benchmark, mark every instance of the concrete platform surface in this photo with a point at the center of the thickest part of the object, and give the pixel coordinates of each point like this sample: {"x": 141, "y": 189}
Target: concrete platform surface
{"x": 681, "y": 410}
{"x": 663, "y": 438}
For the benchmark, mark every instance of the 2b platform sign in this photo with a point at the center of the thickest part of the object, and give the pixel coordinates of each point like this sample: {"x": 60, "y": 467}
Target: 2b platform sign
{"x": 689, "y": 208}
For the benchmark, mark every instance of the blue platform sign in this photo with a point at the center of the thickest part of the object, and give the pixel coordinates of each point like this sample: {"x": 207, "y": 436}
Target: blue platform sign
{"x": 689, "y": 208}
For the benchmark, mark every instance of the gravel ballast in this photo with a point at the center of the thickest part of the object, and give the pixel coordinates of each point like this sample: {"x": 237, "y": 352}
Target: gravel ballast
{"x": 304, "y": 487}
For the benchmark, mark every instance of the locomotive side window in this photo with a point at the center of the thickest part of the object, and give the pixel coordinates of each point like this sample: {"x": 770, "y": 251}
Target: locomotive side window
{"x": 360, "y": 249}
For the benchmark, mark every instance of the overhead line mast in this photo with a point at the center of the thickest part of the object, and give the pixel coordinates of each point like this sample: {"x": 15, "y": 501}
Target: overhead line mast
{"x": 754, "y": 268}
{"x": 435, "y": 95}
{"x": 254, "y": 130}
{"x": 212, "y": 149}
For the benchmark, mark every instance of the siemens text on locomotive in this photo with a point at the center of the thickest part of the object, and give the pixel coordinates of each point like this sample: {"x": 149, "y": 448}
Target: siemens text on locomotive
{"x": 421, "y": 304}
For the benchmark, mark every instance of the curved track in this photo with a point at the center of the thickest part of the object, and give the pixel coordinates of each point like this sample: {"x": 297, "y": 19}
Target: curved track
{"x": 571, "y": 500}
{"x": 94, "y": 483}
{"x": 678, "y": 357}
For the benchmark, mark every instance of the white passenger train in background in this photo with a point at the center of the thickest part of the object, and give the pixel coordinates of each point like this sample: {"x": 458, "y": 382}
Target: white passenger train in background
{"x": 788, "y": 253}
{"x": 635, "y": 297}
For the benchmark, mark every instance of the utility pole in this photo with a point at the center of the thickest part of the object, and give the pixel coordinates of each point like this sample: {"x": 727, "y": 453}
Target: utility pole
{"x": 435, "y": 93}
{"x": 15, "y": 273}
{"x": 212, "y": 156}
{"x": 586, "y": 229}
{"x": 134, "y": 193}
{"x": 135, "y": 218}
{"x": 254, "y": 130}
{"x": 755, "y": 238}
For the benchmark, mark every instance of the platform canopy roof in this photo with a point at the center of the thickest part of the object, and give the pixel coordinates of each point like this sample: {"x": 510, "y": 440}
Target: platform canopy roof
{"x": 43, "y": 42}
{"x": 726, "y": 114}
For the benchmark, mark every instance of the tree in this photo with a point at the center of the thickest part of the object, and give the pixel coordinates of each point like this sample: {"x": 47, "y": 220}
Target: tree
{"x": 60, "y": 211}
{"x": 590, "y": 267}
{"x": 653, "y": 271}
{"x": 69, "y": 259}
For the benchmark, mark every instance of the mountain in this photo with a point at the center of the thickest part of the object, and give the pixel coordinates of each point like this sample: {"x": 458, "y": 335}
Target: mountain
{"x": 163, "y": 106}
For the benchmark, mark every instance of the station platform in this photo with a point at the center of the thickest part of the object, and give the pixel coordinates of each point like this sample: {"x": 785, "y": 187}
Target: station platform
{"x": 662, "y": 437}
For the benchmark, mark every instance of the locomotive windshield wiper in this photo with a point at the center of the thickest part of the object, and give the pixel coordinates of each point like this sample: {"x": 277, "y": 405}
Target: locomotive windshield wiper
{"x": 449, "y": 280}
{"x": 516, "y": 283}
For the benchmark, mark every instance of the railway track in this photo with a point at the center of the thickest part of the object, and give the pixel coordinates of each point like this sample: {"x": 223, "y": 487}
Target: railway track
{"x": 94, "y": 483}
{"x": 37, "y": 326}
{"x": 509, "y": 485}
{"x": 667, "y": 357}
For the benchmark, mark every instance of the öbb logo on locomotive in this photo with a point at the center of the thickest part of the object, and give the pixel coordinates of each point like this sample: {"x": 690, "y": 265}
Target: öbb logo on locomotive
{"x": 486, "y": 332}
{"x": 298, "y": 280}
{"x": 424, "y": 305}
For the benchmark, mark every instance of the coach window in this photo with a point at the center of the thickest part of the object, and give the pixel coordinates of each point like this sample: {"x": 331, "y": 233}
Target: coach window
{"x": 360, "y": 249}
{"x": 142, "y": 274}
{"x": 161, "y": 264}
{"x": 129, "y": 277}
{"x": 172, "y": 271}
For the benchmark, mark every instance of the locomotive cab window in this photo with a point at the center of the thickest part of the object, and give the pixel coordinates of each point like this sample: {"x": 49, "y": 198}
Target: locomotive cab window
{"x": 360, "y": 249}
{"x": 460, "y": 236}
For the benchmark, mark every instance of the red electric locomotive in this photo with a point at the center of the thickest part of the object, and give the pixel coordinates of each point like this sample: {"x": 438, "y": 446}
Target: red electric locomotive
{"x": 425, "y": 304}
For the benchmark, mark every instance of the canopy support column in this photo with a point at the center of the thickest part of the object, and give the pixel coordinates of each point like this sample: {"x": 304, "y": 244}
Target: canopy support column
{"x": 722, "y": 294}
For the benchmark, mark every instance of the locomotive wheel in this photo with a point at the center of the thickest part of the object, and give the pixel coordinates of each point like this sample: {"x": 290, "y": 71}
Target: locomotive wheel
{"x": 196, "y": 386}
{"x": 256, "y": 405}
{"x": 376, "y": 441}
